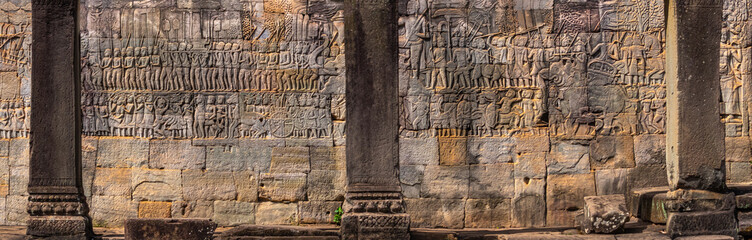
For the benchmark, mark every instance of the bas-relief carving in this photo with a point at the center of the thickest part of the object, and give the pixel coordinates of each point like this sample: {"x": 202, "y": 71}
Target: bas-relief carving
{"x": 475, "y": 58}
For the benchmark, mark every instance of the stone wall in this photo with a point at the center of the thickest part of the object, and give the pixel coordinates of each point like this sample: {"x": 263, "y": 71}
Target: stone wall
{"x": 512, "y": 110}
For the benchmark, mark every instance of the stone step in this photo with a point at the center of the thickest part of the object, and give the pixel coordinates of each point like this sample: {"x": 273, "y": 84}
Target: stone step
{"x": 278, "y": 232}
{"x": 648, "y": 204}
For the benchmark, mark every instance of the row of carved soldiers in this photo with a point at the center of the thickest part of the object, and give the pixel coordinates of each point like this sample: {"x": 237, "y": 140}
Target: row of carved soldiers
{"x": 201, "y": 116}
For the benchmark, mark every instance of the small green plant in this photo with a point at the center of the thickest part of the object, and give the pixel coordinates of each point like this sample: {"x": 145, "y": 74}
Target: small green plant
{"x": 338, "y": 215}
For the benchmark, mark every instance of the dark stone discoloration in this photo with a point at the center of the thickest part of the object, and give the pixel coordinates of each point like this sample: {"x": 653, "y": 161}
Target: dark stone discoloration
{"x": 56, "y": 203}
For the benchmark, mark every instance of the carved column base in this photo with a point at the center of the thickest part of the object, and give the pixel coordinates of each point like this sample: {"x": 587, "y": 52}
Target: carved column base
{"x": 375, "y": 226}
{"x": 700, "y": 212}
{"x": 62, "y": 216}
{"x": 375, "y": 215}
{"x": 70, "y": 227}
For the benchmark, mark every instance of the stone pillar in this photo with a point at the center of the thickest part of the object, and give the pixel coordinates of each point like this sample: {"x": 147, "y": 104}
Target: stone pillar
{"x": 373, "y": 203}
{"x": 697, "y": 203}
{"x": 56, "y": 202}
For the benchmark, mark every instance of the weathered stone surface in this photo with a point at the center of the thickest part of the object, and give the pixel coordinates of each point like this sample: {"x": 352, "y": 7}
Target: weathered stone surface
{"x": 327, "y": 158}
{"x": 154, "y": 229}
{"x": 690, "y": 200}
{"x": 609, "y": 152}
{"x": 18, "y": 152}
{"x": 112, "y": 211}
{"x": 693, "y": 37}
{"x": 249, "y": 154}
{"x": 533, "y": 144}
{"x": 208, "y": 185}
{"x": 15, "y": 207}
{"x": 529, "y": 199}
{"x": 290, "y": 160}
{"x": 326, "y": 185}
{"x": 317, "y": 212}
{"x": 419, "y": 151}
{"x": 526, "y": 211}
{"x": 650, "y": 149}
{"x": 411, "y": 174}
{"x": 268, "y": 213}
{"x": 18, "y": 181}
{"x": 445, "y": 182}
{"x": 530, "y": 165}
{"x": 229, "y": 213}
{"x": 488, "y": 213}
{"x": 4, "y": 148}
{"x": 195, "y": 209}
{"x": 148, "y": 209}
{"x": 293, "y": 232}
{"x": 122, "y": 152}
{"x": 176, "y": 154}
{"x": 246, "y": 185}
{"x": 491, "y": 150}
{"x": 435, "y": 213}
{"x": 745, "y": 223}
{"x": 112, "y": 182}
{"x": 282, "y": 187}
{"x": 156, "y": 185}
{"x": 647, "y": 176}
{"x": 568, "y": 158}
{"x": 491, "y": 181}
{"x": 453, "y": 151}
{"x": 604, "y": 214}
{"x": 738, "y": 149}
{"x": 648, "y": 204}
{"x": 739, "y": 172}
{"x": 702, "y": 223}
{"x": 570, "y": 191}
{"x": 611, "y": 181}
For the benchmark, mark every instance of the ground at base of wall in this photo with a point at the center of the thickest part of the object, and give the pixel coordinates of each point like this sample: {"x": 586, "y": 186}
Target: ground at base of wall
{"x": 633, "y": 230}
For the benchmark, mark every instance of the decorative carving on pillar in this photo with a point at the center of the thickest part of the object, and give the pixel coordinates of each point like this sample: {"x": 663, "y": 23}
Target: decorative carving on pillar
{"x": 373, "y": 203}
{"x": 56, "y": 205}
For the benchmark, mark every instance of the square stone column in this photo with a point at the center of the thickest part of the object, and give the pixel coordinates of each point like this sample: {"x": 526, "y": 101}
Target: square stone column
{"x": 56, "y": 202}
{"x": 373, "y": 203}
{"x": 698, "y": 202}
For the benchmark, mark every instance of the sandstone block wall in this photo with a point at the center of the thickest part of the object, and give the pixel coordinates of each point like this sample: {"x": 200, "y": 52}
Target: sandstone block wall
{"x": 512, "y": 111}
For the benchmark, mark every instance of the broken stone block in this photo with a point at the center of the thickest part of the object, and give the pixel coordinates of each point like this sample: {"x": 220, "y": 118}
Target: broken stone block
{"x": 159, "y": 228}
{"x": 699, "y": 200}
{"x": 604, "y": 214}
{"x": 702, "y": 223}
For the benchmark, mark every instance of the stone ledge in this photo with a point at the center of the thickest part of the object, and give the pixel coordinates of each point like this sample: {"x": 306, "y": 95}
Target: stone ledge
{"x": 164, "y": 228}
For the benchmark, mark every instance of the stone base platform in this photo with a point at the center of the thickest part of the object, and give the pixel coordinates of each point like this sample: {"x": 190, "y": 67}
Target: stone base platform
{"x": 633, "y": 230}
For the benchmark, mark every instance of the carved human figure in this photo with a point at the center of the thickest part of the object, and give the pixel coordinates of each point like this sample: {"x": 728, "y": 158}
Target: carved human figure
{"x": 129, "y": 66}
{"x": 507, "y": 117}
{"x": 439, "y": 64}
{"x": 144, "y": 69}
{"x": 106, "y": 64}
{"x": 117, "y": 70}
